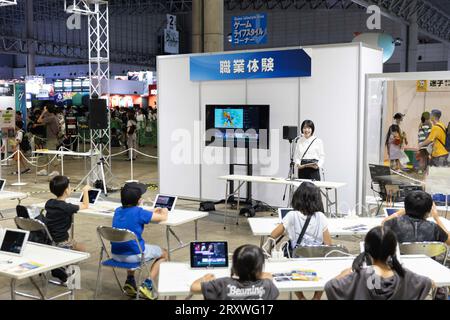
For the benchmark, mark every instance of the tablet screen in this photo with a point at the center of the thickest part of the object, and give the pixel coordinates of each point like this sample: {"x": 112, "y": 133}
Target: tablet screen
{"x": 209, "y": 254}
{"x": 163, "y": 201}
{"x": 282, "y": 212}
{"x": 14, "y": 241}
{"x": 93, "y": 196}
{"x": 2, "y": 184}
{"x": 390, "y": 211}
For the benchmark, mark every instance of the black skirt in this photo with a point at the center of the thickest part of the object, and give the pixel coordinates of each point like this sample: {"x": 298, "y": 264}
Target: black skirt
{"x": 309, "y": 173}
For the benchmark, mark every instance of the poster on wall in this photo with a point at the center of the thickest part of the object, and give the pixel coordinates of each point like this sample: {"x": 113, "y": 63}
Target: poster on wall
{"x": 249, "y": 29}
{"x": 171, "y": 41}
{"x": 7, "y": 119}
{"x": 433, "y": 86}
{"x": 7, "y": 90}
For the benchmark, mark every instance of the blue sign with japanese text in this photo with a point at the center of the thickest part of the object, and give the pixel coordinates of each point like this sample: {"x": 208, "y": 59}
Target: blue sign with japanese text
{"x": 251, "y": 65}
{"x": 249, "y": 29}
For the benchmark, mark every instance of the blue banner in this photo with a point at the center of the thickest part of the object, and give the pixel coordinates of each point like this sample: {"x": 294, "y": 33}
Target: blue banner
{"x": 251, "y": 65}
{"x": 249, "y": 29}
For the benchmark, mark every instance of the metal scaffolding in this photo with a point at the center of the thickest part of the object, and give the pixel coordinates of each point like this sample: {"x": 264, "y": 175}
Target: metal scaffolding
{"x": 98, "y": 38}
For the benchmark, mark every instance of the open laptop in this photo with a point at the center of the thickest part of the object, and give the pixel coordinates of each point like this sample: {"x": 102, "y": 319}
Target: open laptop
{"x": 209, "y": 254}
{"x": 13, "y": 241}
{"x": 390, "y": 211}
{"x": 93, "y": 195}
{"x": 282, "y": 212}
{"x": 2, "y": 184}
{"x": 165, "y": 201}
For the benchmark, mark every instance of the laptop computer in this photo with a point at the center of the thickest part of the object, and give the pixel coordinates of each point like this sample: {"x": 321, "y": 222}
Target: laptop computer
{"x": 93, "y": 195}
{"x": 377, "y": 171}
{"x": 209, "y": 254}
{"x": 165, "y": 201}
{"x": 390, "y": 211}
{"x": 2, "y": 184}
{"x": 13, "y": 241}
{"x": 282, "y": 212}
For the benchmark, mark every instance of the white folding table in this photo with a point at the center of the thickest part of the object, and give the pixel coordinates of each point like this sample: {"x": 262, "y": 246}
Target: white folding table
{"x": 175, "y": 278}
{"x": 49, "y": 257}
{"x": 263, "y": 227}
{"x": 241, "y": 179}
{"x": 61, "y": 153}
{"x": 11, "y": 195}
{"x": 175, "y": 218}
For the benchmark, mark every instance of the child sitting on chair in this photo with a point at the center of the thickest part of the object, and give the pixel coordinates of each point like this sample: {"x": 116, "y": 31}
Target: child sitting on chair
{"x": 59, "y": 214}
{"x": 133, "y": 218}
{"x": 247, "y": 281}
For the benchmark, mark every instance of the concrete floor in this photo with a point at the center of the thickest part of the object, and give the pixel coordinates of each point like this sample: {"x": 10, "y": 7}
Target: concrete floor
{"x": 145, "y": 169}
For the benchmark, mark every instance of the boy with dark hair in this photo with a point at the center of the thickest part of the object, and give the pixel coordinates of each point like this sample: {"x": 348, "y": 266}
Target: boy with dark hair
{"x": 411, "y": 224}
{"x": 59, "y": 214}
{"x": 132, "y": 217}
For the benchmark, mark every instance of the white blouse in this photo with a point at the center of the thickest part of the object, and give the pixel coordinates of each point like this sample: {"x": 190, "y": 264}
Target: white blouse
{"x": 314, "y": 152}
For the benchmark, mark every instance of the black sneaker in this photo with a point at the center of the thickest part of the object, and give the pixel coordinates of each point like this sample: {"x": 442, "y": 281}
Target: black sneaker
{"x": 130, "y": 287}
{"x": 60, "y": 274}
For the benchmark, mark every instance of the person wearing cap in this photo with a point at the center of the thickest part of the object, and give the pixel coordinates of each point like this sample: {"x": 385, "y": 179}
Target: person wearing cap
{"x": 398, "y": 118}
{"x": 437, "y": 137}
{"x": 133, "y": 217}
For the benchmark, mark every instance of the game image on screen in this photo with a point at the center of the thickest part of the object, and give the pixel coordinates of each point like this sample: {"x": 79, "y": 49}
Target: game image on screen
{"x": 229, "y": 118}
{"x": 165, "y": 202}
{"x": 242, "y": 126}
{"x": 209, "y": 254}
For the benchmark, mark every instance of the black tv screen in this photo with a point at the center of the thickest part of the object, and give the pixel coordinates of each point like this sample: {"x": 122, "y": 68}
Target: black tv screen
{"x": 241, "y": 126}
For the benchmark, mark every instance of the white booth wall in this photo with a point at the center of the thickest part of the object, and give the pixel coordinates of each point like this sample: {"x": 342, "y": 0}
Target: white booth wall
{"x": 333, "y": 97}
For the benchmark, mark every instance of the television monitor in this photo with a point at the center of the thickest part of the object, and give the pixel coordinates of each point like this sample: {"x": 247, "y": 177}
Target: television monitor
{"x": 237, "y": 126}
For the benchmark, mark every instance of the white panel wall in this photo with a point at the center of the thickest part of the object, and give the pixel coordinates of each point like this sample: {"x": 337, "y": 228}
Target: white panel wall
{"x": 7, "y": 102}
{"x": 282, "y": 96}
{"x": 178, "y": 114}
{"x": 330, "y": 99}
{"x": 216, "y": 160}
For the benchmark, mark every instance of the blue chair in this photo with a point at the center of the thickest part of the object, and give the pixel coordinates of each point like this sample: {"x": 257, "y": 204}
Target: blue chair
{"x": 109, "y": 234}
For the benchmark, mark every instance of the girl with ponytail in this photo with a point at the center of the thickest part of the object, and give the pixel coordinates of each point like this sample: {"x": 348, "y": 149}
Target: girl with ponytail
{"x": 376, "y": 274}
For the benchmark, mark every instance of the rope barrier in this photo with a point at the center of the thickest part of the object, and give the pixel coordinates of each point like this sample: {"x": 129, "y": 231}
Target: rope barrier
{"x": 119, "y": 153}
{"x": 145, "y": 155}
{"x": 35, "y": 165}
{"x": 11, "y": 156}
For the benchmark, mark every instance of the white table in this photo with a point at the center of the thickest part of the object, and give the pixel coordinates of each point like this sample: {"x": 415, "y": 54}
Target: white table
{"x": 62, "y": 153}
{"x": 241, "y": 179}
{"x": 176, "y": 278}
{"x": 11, "y": 195}
{"x": 174, "y": 219}
{"x": 263, "y": 227}
{"x": 50, "y": 258}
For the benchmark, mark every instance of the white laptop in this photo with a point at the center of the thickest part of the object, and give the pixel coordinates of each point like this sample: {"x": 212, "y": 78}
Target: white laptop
{"x": 390, "y": 211}
{"x": 282, "y": 212}
{"x": 165, "y": 201}
{"x": 13, "y": 241}
{"x": 93, "y": 195}
{"x": 2, "y": 184}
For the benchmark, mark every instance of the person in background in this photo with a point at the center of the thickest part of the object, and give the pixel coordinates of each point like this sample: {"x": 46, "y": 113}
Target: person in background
{"x": 247, "y": 280}
{"x": 308, "y": 211}
{"x": 394, "y": 147}
{"x": 423, "y": 155}
{"x": 398, "y": 119}
{"x": 132, "y": 217}
{"x": 376, "y": 274}
{"x": 437, "y": 137}
{"x": 37, "y": 130}
{"x": 309, "y": 155}
{"x": 131, "y": 135}
{"x": 19, "y": 138}
{"x": 48, "y": 117}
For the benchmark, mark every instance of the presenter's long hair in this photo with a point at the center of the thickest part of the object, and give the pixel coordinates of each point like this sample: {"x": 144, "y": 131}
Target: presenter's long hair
{"x": 379, "y": 244}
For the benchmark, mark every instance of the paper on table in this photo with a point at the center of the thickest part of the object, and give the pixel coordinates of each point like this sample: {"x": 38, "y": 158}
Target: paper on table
{"x": 24, "y": 267}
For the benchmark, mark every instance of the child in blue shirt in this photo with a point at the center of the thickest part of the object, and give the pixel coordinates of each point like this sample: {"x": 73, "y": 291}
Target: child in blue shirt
{"x": 132, "y": 217}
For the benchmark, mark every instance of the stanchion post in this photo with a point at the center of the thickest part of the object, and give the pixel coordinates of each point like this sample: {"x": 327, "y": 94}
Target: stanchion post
{"x": 18, "y": 183}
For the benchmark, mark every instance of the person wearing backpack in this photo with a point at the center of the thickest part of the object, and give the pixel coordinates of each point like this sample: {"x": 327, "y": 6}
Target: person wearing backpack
{"x": 306, "y": 225}
{"x": 131, "y": 134}
{"x": 20, "y": 146}
{"x": 439, "y": 137}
